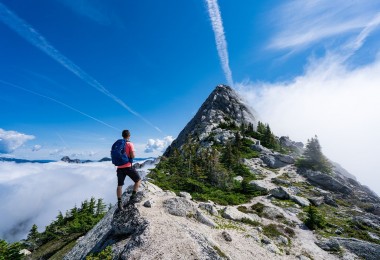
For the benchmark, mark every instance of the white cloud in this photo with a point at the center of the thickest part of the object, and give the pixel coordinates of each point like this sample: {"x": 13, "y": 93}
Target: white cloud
{"x": 220, "y": 39}
{"x": 338, "y": 104}
{"x": 36, "y": 148}
{"x": 11, "y": 140}
{"x": 58, "y": 151}
{"x": 158, "y": 144}
{"x": 33, "y": 193}
{"x": 302, "y": 23}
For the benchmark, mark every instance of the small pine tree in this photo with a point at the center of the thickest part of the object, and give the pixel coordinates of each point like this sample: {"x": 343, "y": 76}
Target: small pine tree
{"x": 100, "y": 207}
{"x": 314, "y": 218}
{"x": 33, "y": 233}
{"x": 313, "y": 157}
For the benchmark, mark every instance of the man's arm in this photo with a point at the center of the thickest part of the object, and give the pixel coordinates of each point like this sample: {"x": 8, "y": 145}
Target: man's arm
{"x": 131, "y": 151}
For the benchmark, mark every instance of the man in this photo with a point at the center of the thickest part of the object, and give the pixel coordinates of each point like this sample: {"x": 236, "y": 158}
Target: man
{"x": 127, "y": 169}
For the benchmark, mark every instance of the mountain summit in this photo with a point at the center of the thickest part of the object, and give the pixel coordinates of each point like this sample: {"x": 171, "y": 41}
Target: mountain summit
{"x": 223, "y": 106}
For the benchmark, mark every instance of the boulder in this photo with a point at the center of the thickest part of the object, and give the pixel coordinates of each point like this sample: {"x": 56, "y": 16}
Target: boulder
{"x": 282, "y": 240}
{"x": 326, "y": 181}
{"x": 270, "y": 161}
{"x": 204, "y": 219}
{"x": 179, "y": 206}
{"x": 277, "y": 160}
{"x": 185, "y": 195}
{"x": 367, "y": 221}
{"x": 284, "y": 193}
{"x": 261, "y": 149}
{"x": 209, "y": 207}
{"x": 294, "y": 146}
{"x": 265, "y": 240}
{"x": 284, "y": 158}
{"x": 280, "y": 181}
{"x": 272, "y": 213}
{"x": 148, "y": 204}
{"x": 226, "y": 236}
{"x": 234, "y": 214}
{"x": 316, "y": 201}
{"x": 262, "y": 186}
{"x": 254, "y": 217}
{"x": 366, "y": 250}
{"x": 280, "y": 193}
{"x": 300, "y": 200}
{"x": 238, "y": 178}
{"x": 329, "y": 200}
{"x": 273, "y": 248}
{"x": 331, "y": 245}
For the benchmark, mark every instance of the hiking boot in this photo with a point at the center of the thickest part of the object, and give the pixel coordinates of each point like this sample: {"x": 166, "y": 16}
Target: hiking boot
{"x": 120, "y": 205}
{"x": 132, "y": 199}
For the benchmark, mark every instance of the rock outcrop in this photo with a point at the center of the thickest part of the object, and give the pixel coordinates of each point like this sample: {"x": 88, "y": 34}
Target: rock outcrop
{"x": 222, "y": 106}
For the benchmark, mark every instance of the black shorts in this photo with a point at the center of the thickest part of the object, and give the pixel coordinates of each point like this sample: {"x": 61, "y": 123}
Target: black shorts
{"x": 123, "y": 172}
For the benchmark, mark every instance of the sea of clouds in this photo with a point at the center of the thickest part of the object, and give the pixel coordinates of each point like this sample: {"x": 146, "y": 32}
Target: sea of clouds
{"x": 34, "y": 193}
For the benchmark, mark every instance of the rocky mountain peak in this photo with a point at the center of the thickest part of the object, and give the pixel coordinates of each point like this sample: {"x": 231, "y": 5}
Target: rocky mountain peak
{"x": 223, "y": 106}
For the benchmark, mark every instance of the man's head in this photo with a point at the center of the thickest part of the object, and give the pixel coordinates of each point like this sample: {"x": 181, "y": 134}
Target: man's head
{"x": 125, "y": 134}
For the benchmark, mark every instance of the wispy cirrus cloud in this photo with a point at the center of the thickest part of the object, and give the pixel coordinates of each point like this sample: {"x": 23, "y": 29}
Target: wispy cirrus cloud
{"x": 32, "y": 36}
{"x": 95, "y": 10}
{"x": 220, "y": 39}
{"x": 299, "y": 24}
{"x": 61, "y": 103}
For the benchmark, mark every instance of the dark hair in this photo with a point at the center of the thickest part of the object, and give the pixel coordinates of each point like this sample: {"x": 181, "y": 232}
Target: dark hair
{"x": 125, "y": 134}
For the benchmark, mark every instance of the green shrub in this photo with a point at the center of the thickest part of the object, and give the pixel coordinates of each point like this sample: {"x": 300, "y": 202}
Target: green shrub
{"x": 243, "y": 209}
{"x": 250, "y": 222}
{"x": 258, "y": 207}
{"x": 106, "y": 254}
{"x": 271, "y": 231}
{"x": 314, "y": 219}
{"x": 289, "y": 231}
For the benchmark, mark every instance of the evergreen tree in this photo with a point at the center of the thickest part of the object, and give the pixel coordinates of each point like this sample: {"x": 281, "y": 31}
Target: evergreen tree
{"x": 261, "y": 129}
{"x": 314, "y": 218}
{"x": 3, "y": 249}
{"x": 91, "y": 206}
{"x": 33, "y": 233}
{"x": 100, "y": 207}
{"x": 60, "y": 219}
{"x": 313, "y": 157}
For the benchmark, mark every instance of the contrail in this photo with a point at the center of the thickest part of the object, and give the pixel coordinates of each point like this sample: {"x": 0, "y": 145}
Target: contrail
{"x": 220, "y": 39}
{"x": 59, "y": 102}
{"x": 31, "y": 35}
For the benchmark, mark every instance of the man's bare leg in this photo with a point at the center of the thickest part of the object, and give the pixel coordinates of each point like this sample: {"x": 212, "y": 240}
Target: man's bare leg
{"x": 119, "y": 191}
{"x": 118, "y": 194}
{"x": 136, "y": 186}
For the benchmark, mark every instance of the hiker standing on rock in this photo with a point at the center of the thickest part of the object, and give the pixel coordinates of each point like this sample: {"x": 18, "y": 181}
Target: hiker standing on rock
{"x": 122, "y": 154}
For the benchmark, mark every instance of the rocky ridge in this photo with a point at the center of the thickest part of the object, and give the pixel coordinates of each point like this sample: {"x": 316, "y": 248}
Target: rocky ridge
{"x": 163, "y": 225}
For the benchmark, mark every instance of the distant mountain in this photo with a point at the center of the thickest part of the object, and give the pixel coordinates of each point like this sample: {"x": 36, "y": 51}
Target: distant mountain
{"x": 105, "y": 159}
{"x": 3, "y": 159}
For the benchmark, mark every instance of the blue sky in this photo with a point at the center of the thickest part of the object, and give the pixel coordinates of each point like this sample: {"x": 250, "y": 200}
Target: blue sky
{"x": 159, "y": 60}
{"x": 75, "y": 73}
